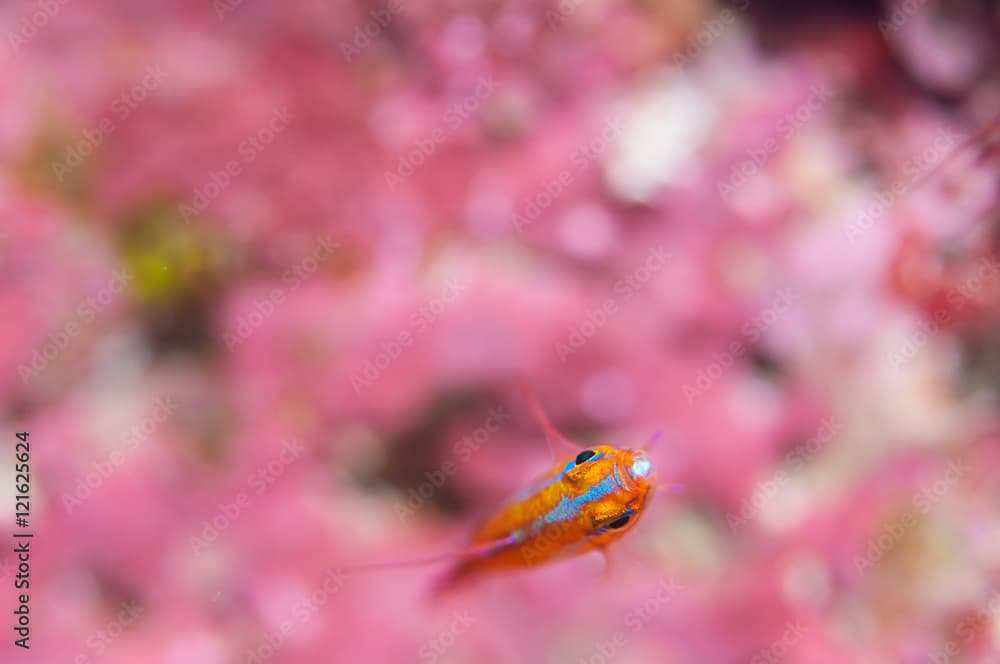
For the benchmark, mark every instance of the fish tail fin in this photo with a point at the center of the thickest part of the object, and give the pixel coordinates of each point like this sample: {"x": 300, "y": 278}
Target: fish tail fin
{"x": 464, "y": 569}
{"x": 451, "y": 581}
{"x": 470, "y": 552}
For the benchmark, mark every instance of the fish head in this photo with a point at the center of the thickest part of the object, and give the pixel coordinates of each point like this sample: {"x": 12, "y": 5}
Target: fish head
{"x": 611, "y": 487}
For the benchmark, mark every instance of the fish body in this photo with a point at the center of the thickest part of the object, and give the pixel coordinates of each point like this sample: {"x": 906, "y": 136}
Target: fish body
{"x": 585, "y": 503}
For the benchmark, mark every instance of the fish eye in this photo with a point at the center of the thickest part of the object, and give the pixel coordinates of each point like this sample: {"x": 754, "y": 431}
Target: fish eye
{"x": 584, "y": 456}
{"x": 620, "y": 523}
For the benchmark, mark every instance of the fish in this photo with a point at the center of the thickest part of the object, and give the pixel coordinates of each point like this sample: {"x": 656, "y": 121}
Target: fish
{"x": 586, "y": 502}
{"x": 590, "y": 499}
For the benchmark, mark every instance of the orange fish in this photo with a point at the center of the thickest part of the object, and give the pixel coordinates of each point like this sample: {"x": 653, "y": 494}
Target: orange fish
{"x": 589, "y": 500}
{"x": 586, "y": 502}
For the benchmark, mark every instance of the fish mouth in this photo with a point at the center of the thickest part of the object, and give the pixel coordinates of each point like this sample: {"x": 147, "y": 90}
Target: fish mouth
{"x": 636, "y": 471}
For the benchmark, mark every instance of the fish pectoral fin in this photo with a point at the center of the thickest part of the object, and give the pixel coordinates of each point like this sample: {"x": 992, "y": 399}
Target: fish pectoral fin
{"x": 609, "y": 566}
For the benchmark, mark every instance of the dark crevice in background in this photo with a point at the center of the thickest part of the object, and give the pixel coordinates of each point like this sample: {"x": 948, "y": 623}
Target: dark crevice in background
{"x": 425, "y": 445}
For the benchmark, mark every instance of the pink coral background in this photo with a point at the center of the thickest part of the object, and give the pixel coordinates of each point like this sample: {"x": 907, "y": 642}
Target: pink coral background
{"x": 297, "y": 352}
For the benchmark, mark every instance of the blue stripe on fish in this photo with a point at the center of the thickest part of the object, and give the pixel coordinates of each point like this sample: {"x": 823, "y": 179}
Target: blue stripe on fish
{"x": 541, "y": 486}
{"x": 569, "y": 508}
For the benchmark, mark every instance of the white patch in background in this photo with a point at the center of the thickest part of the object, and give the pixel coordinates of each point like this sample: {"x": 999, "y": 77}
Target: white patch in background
{"x": 664, "y": 126}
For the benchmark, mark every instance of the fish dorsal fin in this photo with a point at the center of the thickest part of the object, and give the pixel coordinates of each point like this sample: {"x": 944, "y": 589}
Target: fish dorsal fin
{"x": 559, "y": 444}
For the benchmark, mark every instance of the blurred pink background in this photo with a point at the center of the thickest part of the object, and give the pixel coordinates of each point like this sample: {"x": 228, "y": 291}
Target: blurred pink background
{"x": 270, "y": 270}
